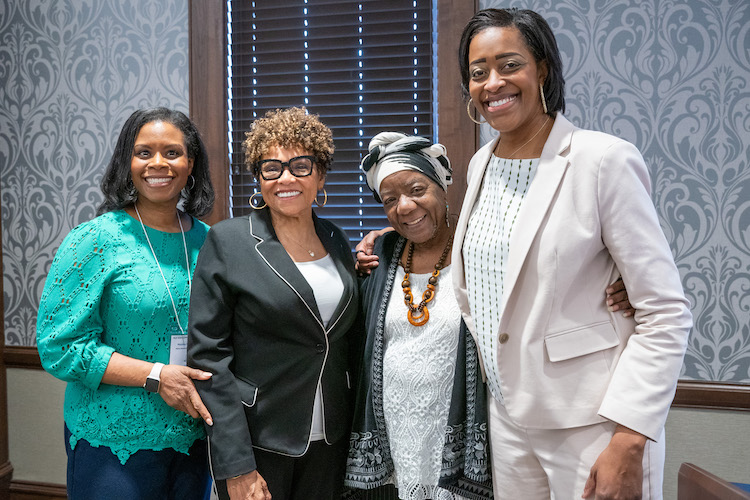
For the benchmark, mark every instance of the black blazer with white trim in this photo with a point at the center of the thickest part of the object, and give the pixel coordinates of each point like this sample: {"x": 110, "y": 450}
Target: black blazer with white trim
{"x": 255, "y": 325}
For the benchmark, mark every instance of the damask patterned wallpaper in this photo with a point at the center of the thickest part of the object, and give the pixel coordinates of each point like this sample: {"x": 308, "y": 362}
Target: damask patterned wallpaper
{"x": 71, "y": 72}
{"x": 672, "y": 77}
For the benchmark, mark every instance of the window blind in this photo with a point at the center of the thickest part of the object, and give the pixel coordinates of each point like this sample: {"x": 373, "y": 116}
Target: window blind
{"x": 364, "y": 66}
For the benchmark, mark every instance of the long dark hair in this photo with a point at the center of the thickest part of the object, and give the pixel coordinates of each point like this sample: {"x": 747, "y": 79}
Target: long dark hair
{"x": 539, "y": 39}
{"x": 117, "y": 183}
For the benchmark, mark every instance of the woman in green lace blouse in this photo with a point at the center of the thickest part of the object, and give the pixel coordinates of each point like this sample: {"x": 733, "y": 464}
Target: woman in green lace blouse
{"x": 113, "y": 317}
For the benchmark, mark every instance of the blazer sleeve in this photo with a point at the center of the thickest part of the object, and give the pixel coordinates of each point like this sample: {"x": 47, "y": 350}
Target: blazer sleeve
{"x": 210, "y": 348}
{"x": 641, "y": 390}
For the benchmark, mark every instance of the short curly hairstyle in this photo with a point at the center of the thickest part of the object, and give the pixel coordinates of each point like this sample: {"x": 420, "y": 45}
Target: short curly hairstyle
{"x": 284, "y": 128}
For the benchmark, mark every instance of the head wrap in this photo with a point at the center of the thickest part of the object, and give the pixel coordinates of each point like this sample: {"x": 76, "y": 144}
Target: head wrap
{"x": 391, "y": 152}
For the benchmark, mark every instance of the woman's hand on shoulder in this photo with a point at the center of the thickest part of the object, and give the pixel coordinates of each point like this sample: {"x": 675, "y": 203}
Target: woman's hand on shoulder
{"x": 249, "y": 486}
{"x": 177, "y": 390}
{"x": 366, "y": 261}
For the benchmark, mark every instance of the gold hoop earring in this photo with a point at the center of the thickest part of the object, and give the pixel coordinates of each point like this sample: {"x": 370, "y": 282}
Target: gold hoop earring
{"x": 253, "y": 204}
{"x": 325, "y": 198}
{"x": 544, "y": 101}
{"x": 468, "y": 112}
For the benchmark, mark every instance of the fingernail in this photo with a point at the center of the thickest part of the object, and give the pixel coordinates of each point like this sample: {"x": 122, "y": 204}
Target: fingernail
{"x": 610, "y": 309}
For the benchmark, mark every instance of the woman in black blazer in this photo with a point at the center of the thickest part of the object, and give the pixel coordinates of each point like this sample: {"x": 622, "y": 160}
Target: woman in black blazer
{"x": 273, "y": 308}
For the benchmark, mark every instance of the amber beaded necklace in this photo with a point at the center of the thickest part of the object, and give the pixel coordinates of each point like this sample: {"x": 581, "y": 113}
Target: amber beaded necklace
{"x": 418, "y": 315}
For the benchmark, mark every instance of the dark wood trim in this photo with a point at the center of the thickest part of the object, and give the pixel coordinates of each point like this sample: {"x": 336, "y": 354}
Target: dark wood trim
{"x": 6, "y": 474}
{"x": 455, "y": 131}
{"x": 6, "y": 469}
{"x": 695, "y": 483}
{"x": 707, "y": 395}
{"x": 30, "y": 490}
{"x": 21, "y": 357}
{"x": 208, "y": 92}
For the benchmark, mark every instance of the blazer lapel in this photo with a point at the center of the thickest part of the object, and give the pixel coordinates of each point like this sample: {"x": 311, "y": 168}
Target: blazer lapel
{"x": 549, "y": 175}
{"x": 272, "y": 252}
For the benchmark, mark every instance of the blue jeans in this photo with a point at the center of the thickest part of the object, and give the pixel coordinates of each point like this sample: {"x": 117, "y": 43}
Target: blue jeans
{"x": 95, "y": 473}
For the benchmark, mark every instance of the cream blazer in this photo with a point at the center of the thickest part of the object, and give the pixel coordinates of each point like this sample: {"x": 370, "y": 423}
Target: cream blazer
{"x": 565, "y": 360}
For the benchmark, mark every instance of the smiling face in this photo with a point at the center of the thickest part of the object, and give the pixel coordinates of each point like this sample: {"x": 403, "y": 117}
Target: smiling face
{"x": 415, "y": 206}
{"x": 160, "y": 165}
{"x": 504, "y": 80}
{"x": 290, "y": 196}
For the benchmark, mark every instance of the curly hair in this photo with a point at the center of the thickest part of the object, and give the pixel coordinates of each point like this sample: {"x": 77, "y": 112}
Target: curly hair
{"x": 284, "y": 128}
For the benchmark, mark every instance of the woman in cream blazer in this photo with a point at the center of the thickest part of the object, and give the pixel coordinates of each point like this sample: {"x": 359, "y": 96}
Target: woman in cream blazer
{"x": 580, "y": 394}
{"x": 564, "y": 360}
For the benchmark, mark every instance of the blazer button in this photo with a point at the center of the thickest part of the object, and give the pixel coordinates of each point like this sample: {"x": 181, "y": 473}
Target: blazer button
{"x": 320, "y": 348}
{"x": 503, "y": 338}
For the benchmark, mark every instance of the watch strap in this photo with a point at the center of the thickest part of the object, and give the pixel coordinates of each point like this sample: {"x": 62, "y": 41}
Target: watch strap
{"x": 153, "y": 379}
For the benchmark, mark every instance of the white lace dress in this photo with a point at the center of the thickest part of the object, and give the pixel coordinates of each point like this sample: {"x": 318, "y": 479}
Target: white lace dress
{"x": 418, "y": 370}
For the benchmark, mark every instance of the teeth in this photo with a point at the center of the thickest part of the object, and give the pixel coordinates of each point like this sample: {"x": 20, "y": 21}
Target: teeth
{"x": 157, "y": 180}
{"x": 502, "y": 101}
{"x": 288, "y": 194}
{"x": 414, "y": 222}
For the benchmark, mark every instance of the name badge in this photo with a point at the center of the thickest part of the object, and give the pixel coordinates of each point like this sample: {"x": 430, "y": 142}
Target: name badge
{"x": 178, "y": 350}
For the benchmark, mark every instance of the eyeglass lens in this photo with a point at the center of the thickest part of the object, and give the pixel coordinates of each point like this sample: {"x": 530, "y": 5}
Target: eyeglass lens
{"x": 300, "y": 166}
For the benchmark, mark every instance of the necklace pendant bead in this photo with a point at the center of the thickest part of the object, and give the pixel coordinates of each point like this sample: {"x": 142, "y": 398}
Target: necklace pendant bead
{"x": 420, "y": 319}
{"x": 419, "y": 315}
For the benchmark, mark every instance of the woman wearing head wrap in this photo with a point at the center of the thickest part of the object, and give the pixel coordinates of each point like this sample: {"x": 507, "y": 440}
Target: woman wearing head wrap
{"x": 420, "y": 418}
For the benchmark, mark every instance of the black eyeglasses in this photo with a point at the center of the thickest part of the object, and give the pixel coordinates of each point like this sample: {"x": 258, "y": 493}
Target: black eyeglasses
{"x": 299, "y": 166}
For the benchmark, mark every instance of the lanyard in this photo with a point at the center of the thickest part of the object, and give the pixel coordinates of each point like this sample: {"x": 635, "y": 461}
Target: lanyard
{"x": 187, "y": 264}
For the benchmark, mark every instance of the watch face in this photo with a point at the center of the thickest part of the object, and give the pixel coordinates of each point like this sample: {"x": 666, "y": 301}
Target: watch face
{"x": 152, "y": 384}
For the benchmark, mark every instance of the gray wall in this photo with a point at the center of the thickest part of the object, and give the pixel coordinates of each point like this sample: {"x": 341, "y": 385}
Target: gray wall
{"x": 672, "y": 78}
{"x": 71, "y": 72}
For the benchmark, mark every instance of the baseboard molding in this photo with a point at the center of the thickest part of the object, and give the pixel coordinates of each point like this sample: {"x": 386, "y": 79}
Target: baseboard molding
{"x": 712, "y": 395}
{"x": 30, "y": 490}
{"x": 21, "y": 357}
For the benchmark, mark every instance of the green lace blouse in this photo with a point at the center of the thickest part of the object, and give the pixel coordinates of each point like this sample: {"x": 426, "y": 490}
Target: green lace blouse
{"x": 104, "y": 293}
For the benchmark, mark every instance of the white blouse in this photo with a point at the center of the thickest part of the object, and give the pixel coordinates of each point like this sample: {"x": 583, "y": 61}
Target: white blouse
{"x": 327, "y": 287}
{"x": 419, "y": 364}
{"x": 485, "y": 252}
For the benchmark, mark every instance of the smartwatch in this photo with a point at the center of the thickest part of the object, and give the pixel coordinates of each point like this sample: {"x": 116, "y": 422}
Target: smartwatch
{"x": 152, "y": 381}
